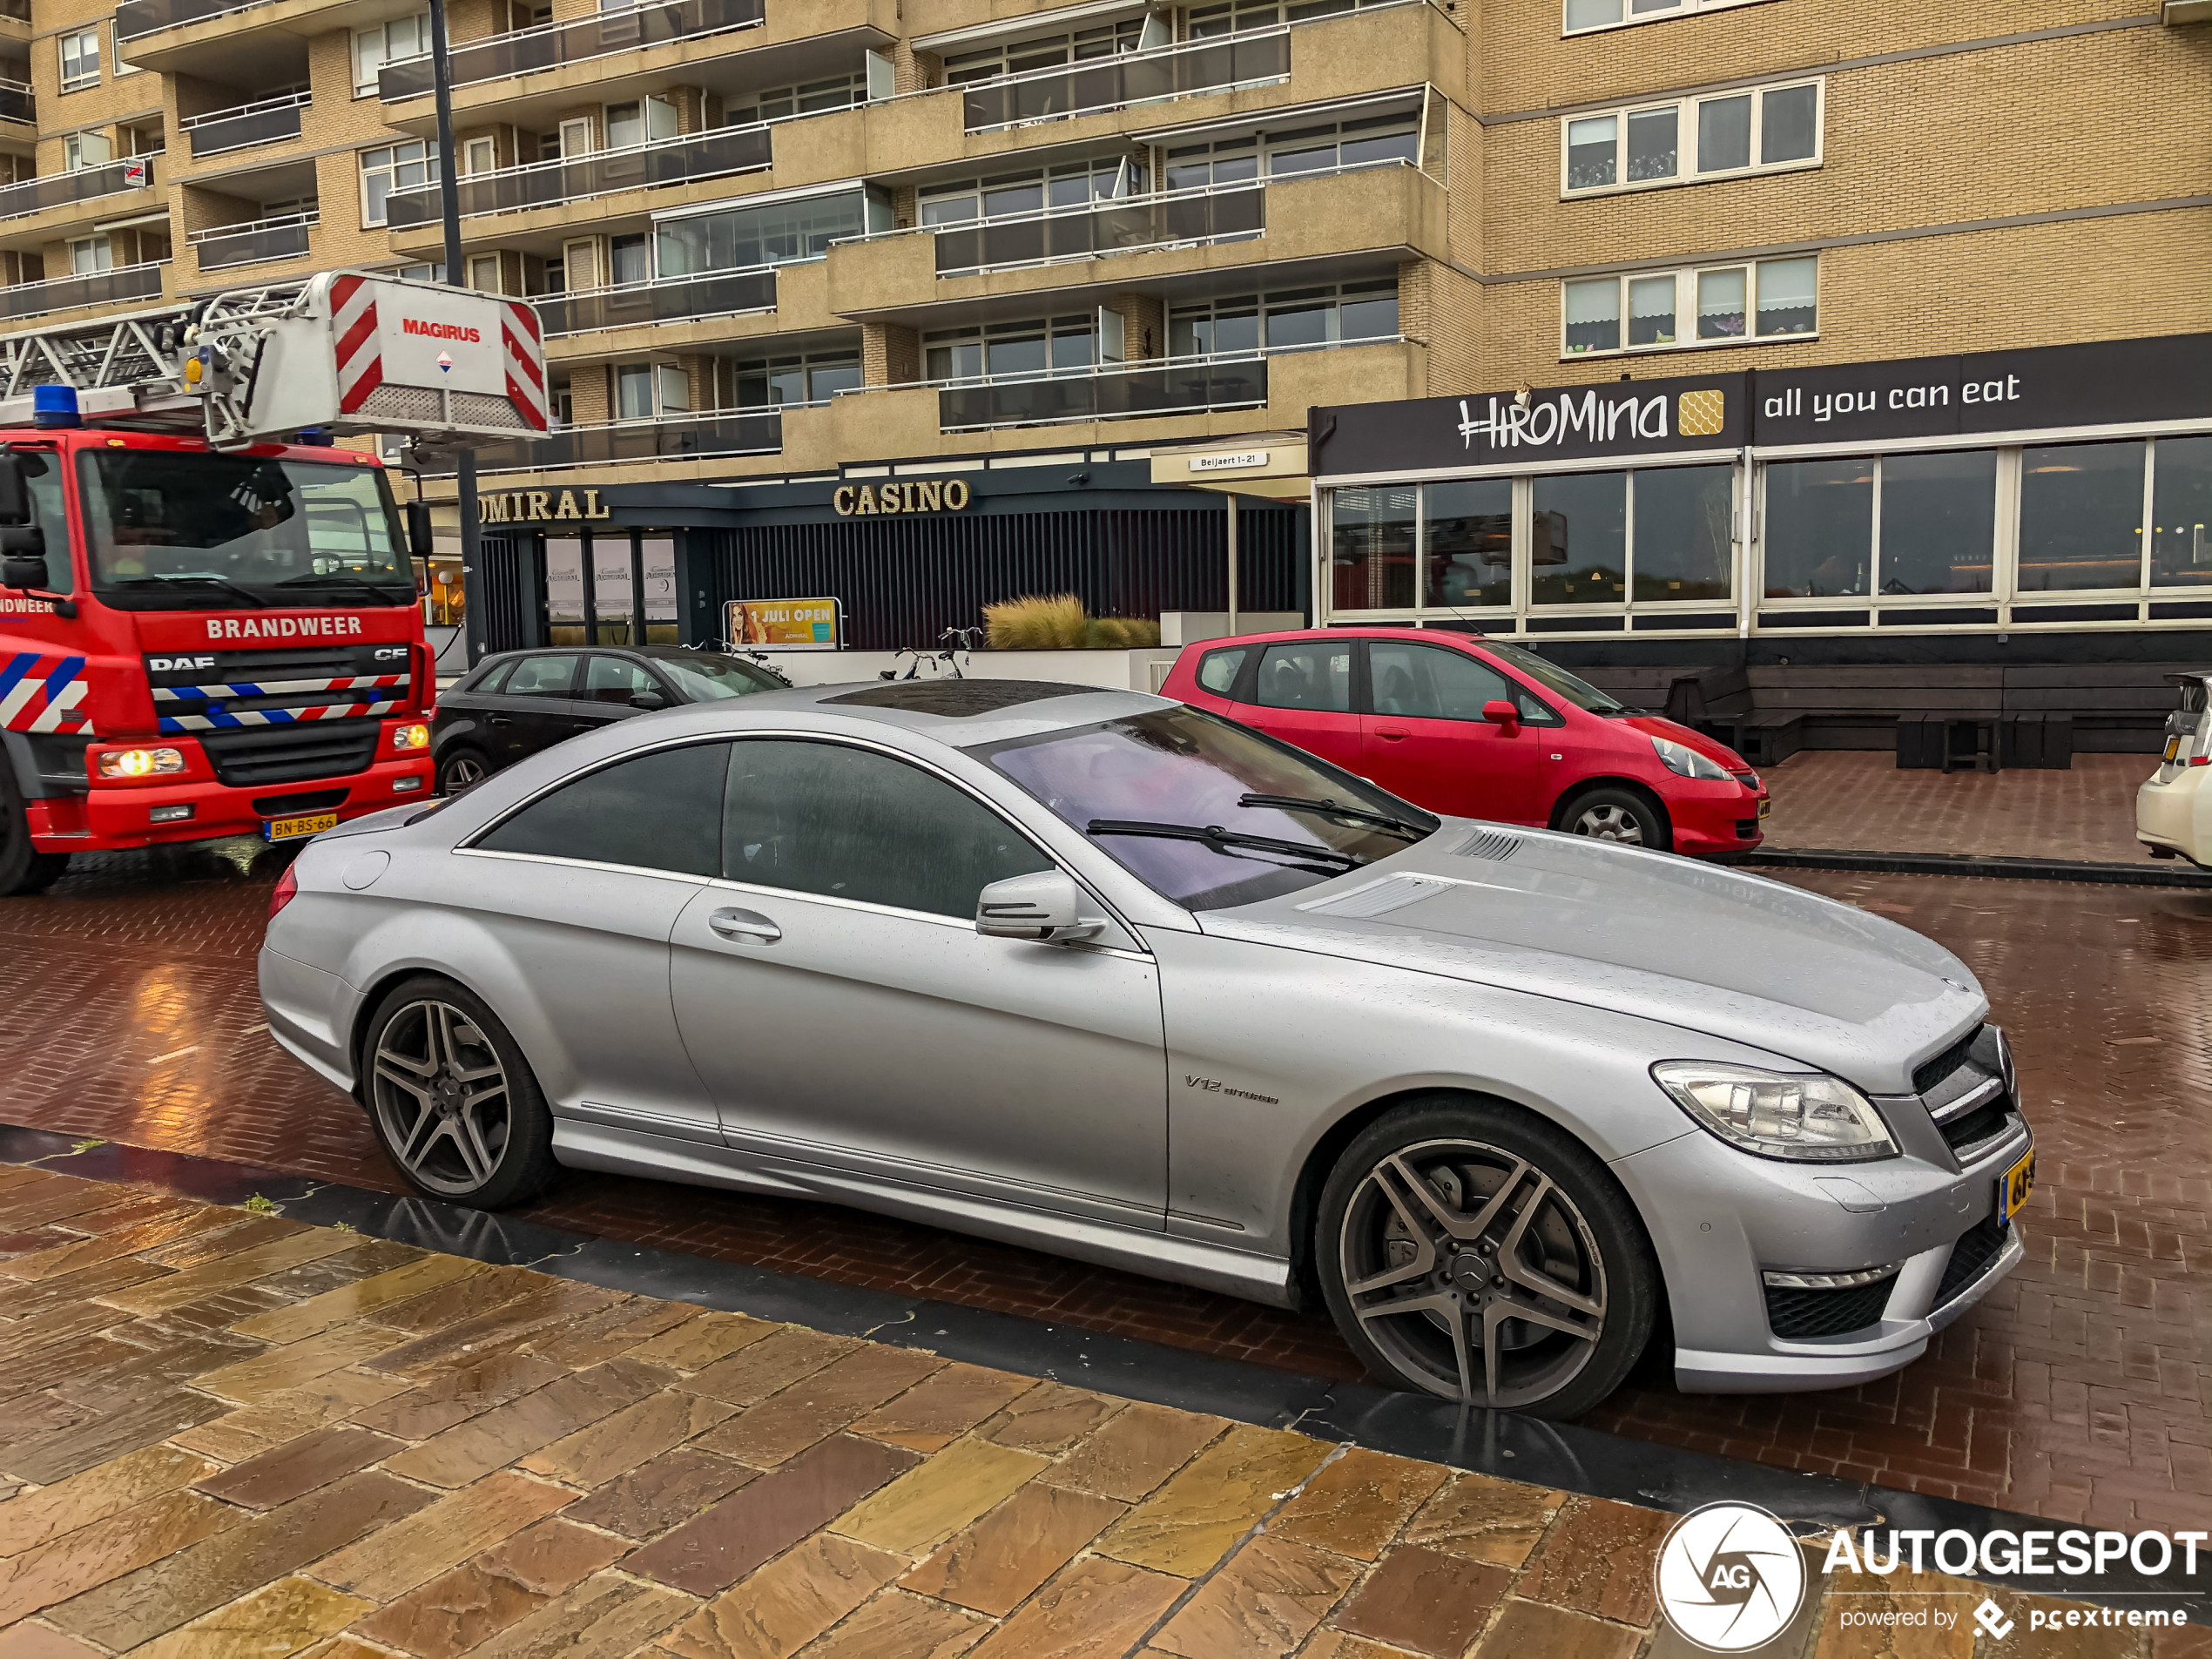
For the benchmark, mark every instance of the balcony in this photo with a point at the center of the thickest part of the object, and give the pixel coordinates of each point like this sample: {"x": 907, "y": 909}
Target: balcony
{"x": 74, "y": 293}
{"x": 282, "y": 238}
{"x": 19, "y": 10}
{"x": 16, "y": 103}
{"x": 245, "y": 125}
{"x": 679, "y": 160}
{"x": 67, "y": 189}
{"x": 1254, "y": 59}
{"x": 528, "y": 52}
{"x": 716, "y": 293}
{"x": 134, "y": 18}
{"x": 1085, "y": 231}
{"x": 674, "y": 437}
{"x": 1108, "y": 391}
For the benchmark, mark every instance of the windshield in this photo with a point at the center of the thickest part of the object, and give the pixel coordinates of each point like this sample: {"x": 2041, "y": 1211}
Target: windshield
{"x": 1579, "y": 692}
{"x": 1185, "y": 767}
{"x": 701, "y": 678}
{"x": 176, "y": 530}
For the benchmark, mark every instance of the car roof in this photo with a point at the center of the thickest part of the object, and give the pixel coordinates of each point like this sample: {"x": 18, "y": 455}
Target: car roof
{"x": 963, "y": 713}
{"x": 1368, "y": 630}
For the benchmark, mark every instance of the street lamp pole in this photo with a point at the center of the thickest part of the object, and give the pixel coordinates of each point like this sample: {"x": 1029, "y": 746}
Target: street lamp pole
{"x": 472, "y": 575}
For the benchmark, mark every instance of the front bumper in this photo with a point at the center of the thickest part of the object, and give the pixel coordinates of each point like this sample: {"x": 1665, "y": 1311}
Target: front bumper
{"x": 105, "y": 818}
{"x": 1719, "y": 1218}
{"x": 1727, "y": 823}
{"x": 2177, "y": 814}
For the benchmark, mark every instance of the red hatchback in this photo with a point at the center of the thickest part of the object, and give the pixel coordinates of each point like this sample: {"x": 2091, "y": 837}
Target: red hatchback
{"x": 1477, "y": 728}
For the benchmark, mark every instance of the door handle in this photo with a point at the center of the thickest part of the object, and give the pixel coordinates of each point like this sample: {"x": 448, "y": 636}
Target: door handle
{"x": 498, "y": 719}
{"x": 747, "y": 925}
{"x": 1391, "y": 737}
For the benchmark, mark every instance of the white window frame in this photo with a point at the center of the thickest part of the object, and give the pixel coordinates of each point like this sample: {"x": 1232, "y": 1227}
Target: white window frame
{"x": 99, "y": 252}
{"x": 1661, "y": 13}
{"x": 115, "y": 44}
{"x": 1686, "y": 309}
{"x": 429, "y": 160}
{"x": 1686, "y": 117}
{"x": 73, "y": 146}
{"x": 367, "y": 87}
{"x": 82, "y": 81}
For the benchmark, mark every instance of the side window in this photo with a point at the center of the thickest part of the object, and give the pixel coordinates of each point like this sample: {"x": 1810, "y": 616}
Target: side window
{"x": 492, "y": 679}
{"x": 615, "y": 679}
{"x": 542, "y": 677}
{"x": 1311, "y": 674}
{"x": 658, "y": 811}
{"x": 1426, "y": 682}
{"x": 854, "y": 824}
{"x": 1218, "y": 669}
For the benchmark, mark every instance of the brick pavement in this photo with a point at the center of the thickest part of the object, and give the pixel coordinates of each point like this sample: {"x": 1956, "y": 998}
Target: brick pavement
{"x": 1855, "y": 801}
{"x": 2081, "y": 1389}
{"x": 237, "y": 1434}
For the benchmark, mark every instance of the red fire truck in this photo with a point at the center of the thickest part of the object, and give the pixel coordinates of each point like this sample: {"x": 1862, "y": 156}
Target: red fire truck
{"x": 209, "y": 624}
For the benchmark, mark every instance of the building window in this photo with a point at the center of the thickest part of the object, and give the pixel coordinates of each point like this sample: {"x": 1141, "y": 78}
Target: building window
{"x": 483, "y": 274}
{"x": 1896, "y": 525}
{"x": 1070, "y": 185}
{"x": 386, "y": 43}
{"x": 421, "y": 273}
{"x": 646, "y": 391}
{"x": 80, "y": 60}
{"x": 122, "y": 67}
{"x": 743, "y": 238}
{"x": 1049, "y": 52}
{"x": 1285, "y": 320}
{"x": 90, "y": 255}
{"x": 770, "y": 382}
{"x": 1723, "y": 305}
{"x": 1334, "y": 147}
{"x": 1582, "y": 15}
{"x": 2181, "y": 513}
{"x": 1045, "y": 345}
{"x": 1235, "y": 16}
{"x": 1766, "y": 129}
{"x": 394, "y": 166}
{"x": 2082, "y": 515}
{"x": 83, "y": 150}
{"x": 779, "y": 103}
{"x": 641, "y": 121}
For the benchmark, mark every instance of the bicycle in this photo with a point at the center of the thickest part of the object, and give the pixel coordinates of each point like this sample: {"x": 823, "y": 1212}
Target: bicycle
{"x": 954, "y": 643}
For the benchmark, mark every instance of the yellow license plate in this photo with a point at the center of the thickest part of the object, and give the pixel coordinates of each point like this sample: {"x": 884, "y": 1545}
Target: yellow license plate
{"x": 291, "y": 829}
{"x": 2173, "y": 748}
{"x": 2012, "y": 1188}
{"x": 1765, "y": 806}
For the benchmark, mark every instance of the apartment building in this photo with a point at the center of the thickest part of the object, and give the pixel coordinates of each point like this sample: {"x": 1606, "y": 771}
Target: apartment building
{"x": 803, "y": 263}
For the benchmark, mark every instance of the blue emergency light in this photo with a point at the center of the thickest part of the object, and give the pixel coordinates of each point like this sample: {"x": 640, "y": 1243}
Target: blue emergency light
{"x": 54, "y": 406}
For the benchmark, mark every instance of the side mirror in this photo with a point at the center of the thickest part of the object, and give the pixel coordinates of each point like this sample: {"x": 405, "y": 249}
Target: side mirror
{"x": 648, "y": 700}
{"x": 1500, "y": 712}
{"x": 15, "y": 491}
{"x": 24, "y": 571}
{"x": 1047, "y": 906}
{"x": 418, "y": 528}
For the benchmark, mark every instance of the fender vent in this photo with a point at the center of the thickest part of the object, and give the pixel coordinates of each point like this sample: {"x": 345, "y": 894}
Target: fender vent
{"x": 1487, "y": 844}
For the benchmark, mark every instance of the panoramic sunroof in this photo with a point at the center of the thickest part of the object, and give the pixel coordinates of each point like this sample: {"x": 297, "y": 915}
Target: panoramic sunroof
{"x": 955, "y": 699}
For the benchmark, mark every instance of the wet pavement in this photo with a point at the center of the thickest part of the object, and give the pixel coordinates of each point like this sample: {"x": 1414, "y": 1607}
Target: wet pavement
{"x": 1856, "y": 800}
{"x": 2080, "y": 1390}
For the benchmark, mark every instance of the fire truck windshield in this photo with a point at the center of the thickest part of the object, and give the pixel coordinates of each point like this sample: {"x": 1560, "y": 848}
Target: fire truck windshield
{"x": 174, "y": 530}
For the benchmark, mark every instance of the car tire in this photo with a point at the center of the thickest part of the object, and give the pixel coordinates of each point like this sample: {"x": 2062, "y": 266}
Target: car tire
{"x": 1618, "y": 815}
{"x": 24, "y": 869}
{"x": 451, "y": 1099}
{"x": 461, "y": 767}
{"x": 1453, "y": 1213}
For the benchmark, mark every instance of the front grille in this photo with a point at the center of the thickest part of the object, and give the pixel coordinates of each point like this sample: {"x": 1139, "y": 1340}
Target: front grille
{"x": 1970, "y": 1258}
{"x": 1797, "y": 1315}
{"x": 1966, "y": 1135}
{"x": 246, "y": 757}
{"x": 312, "y": 801}
{"x": 1746, "y": 828}
{"x": 1929, "y": 1073}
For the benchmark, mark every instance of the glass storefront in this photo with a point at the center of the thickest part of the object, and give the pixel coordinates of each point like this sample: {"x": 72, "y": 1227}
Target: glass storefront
{"x": 632, "y": 575}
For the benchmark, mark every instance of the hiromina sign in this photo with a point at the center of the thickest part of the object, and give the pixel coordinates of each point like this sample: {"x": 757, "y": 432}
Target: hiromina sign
{"x": 906, "y": 495}
{"x": 532, "y": 506}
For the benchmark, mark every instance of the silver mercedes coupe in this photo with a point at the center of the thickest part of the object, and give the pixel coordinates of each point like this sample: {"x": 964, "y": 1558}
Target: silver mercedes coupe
{"x": 1106, "y": 976}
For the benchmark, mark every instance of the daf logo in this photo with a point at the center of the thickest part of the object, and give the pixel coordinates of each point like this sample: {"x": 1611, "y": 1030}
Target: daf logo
{"x": 391, "y": 653}
{"x": 168, "y": 665}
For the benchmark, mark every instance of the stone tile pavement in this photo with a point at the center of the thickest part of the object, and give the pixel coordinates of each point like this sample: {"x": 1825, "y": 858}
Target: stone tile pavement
{"x": 1850, "y": 800}
{"x": 228, "y": 1434}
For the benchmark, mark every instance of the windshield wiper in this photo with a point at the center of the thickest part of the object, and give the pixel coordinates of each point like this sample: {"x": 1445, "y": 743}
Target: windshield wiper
{"x": 389, "y": 592}
{"x": 240, "y": 588}
{"x": 1222, "y": 840}
{"x": 1403, "y": 827}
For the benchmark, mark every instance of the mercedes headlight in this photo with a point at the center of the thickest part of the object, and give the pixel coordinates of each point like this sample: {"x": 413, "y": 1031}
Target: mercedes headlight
{"x": 1681, "y": 758}
{"x": 1810, "y": 1119}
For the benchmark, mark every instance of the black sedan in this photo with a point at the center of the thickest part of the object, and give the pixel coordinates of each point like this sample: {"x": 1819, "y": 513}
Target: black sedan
{"x": 519, "y": 702}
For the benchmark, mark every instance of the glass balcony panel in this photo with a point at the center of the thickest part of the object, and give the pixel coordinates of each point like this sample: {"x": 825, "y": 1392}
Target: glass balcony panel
{"x": 16, "y": 103}
{"x": 715, "y": 294}
{"x": 19, "y": 10}
{"x": 97, "y": 288}
{"x": 1136, "y": 78}
{"x": 250, "y": 124}
{"x": 1108, "y": 394}
{"x": 1111, "y": 225}
{"x": 549, "y": 46}
{"x": 672, "y": 161}
{"x": 725, "y": 432}
{"x": 59, "y": 189}
{"x": 137, "y": 18}
{"x": 284, "y": 239}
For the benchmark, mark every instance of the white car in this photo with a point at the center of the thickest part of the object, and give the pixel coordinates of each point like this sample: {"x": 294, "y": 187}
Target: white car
{"x": 2173, "y": 808}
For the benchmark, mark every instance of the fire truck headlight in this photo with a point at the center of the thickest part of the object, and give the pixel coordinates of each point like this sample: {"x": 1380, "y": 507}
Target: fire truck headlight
{"x": 411, "y": 737}
{"x": 140, "y": 762}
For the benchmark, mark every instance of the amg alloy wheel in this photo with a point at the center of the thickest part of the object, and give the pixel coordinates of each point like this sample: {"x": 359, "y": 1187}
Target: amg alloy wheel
{"x": 1484, "y": 1264}
{"x": 451, "y": 1099}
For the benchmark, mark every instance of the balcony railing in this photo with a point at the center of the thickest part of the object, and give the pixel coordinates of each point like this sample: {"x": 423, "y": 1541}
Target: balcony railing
{"x": 59, "y": 189}
{"x": 1133, "y": 78}
{"x": 136, "y": 17}
{"x": 725, "y": 432}
{"x": 245, "y": 123}
{"x": 1096, "y": 227}
{"x": 546, "y": 184}
{"x": 94, "y": 289}
{"x": 716, "y": 294}
{"x": 19, "y": 10}
{"x": 1109, "y": 392}
{"x": 282, "y": 238}
{"x": 16, "y": 103}
{"x": 549, "y": 45}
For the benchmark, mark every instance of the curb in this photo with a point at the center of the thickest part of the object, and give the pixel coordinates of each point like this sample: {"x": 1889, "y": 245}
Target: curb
{"x": 2124, "y": 875}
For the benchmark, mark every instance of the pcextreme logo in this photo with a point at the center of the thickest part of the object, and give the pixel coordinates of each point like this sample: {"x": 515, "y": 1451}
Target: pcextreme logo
{"x": 1730, "y": 1577}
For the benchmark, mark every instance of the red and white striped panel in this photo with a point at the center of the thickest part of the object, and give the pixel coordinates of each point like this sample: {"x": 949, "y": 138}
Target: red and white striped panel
{"x": 525, "y": 363}
{"x": 360, "y": 354}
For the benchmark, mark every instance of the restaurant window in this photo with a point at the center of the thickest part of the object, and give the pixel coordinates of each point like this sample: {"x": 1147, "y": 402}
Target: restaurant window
{"x": 1467, "y": 541}
{"x": 1657, "y": 535}
{"x": 1612, "y": 14}
{"x": 1686, "y": 141}
{"x": 2181, "y": 513}
{"x": 1937, "y": 514}
{"x": 1578, "y": 551}
{"x": 809, "y": 97}
{"x": 1371, "y": 548}
{"x": 2081, "y": 516}
{"x": 1721, "y": 305}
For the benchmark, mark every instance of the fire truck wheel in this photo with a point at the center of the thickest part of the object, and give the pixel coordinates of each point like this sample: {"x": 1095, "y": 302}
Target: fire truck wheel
{"x": 452, "y": 1099}
{"x": 24, "y": 870}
